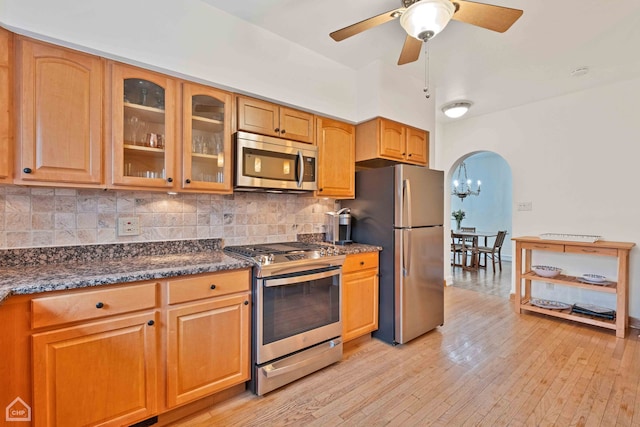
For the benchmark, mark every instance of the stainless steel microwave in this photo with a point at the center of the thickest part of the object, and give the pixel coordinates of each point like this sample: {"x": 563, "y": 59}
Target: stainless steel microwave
{"x": 265, "y": 163}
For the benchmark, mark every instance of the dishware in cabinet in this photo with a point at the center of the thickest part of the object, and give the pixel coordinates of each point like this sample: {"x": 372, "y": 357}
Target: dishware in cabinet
{"x": 142, "y": 128}
{"x": 206, "y": 138}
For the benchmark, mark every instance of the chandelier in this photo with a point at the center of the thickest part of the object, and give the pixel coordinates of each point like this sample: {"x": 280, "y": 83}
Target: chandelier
{"x": 462, "y": 188}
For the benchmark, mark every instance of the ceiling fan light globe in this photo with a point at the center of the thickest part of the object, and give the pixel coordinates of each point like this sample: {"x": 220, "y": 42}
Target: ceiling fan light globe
{"x": 426, "y": 18}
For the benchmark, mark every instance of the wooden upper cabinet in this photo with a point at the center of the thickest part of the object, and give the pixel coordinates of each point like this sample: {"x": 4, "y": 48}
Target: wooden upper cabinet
{"x": 270, "y": 119}
{"x": 59, "y": 108}
{"x": 142, "y": 124}
{"x": 6, "y": 119}
{"x": 417, "y": 146}
{"x": 392, "y": 140}
{"x": 336, "y": 164}
{"x": 380, "y": 141}
{"x": 206, "y": 138}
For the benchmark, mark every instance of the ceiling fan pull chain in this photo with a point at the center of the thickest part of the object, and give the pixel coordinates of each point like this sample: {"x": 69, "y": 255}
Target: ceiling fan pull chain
{"x": 426, "y": 71}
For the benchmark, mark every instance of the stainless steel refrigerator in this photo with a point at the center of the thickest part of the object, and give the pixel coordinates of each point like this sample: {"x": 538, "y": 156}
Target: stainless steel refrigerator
{"x": 401, "y": 209}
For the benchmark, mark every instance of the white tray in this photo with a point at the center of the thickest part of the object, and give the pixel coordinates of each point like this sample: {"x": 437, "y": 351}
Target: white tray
{"x": 571, "y": 237}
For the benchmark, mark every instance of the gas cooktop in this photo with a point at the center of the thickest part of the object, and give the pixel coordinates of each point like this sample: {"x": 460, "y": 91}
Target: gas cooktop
{"x": 285, "y": 253}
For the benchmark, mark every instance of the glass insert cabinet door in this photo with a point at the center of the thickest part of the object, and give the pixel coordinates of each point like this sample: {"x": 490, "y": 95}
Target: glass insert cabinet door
{"x": 206, "y": 138}
{"x": 143, "y": 108}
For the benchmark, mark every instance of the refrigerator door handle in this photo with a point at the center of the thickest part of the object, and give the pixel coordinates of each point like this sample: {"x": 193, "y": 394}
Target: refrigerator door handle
{"x": 406, "y": 194}
{"x": 407, "y": 253}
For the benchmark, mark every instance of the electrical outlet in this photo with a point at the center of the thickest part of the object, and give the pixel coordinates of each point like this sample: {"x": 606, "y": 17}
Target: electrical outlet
{"x": 550, "y": 286}
{"x": 128, "y": 226}
{"x": 525, "y": 206}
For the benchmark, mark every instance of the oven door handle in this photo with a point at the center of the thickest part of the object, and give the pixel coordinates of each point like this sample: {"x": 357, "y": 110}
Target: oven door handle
{"x": 268, "y": 283}
{"x": 272, "y": 370}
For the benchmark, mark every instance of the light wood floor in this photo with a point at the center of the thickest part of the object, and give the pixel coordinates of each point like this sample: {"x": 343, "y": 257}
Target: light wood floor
{"x": 487, "y": 366}
{"x": 484, "y": 280}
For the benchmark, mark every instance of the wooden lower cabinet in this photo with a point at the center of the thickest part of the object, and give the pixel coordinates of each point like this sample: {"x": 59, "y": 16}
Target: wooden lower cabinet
{"x": 100, "y": 373}
{"x": 359, "y": 295}
{"x": 207, "y": 347}
{"x": 117, "y": 355}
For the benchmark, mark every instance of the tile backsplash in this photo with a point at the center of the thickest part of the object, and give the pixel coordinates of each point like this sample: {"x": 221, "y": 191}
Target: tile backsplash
{"x": 42, "y": 217}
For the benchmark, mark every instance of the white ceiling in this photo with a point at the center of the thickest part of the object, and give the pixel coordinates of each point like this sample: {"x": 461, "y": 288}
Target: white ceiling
{"x": 533, "y": 60}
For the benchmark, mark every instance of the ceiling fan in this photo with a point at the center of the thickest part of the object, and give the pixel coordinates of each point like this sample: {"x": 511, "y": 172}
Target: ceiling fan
{"x": 423, "y": 19}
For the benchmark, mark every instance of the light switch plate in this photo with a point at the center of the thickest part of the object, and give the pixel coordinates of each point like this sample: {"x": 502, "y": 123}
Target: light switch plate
{"x": 525, "y": 206}
{"x": 128, "y": 226}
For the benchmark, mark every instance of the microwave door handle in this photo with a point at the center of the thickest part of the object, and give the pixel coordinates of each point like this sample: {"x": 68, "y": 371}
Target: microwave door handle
{"x": 300, "y": 168}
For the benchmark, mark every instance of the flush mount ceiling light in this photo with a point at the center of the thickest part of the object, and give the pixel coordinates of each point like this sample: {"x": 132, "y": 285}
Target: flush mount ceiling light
{"x": 426, "y": 18}
{"x": 456, "y": 109}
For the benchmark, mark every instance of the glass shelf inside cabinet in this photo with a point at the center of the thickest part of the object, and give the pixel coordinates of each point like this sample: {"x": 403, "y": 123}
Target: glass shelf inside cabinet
{"x": 143, "y": 129}
{"x": 207, "y": 142}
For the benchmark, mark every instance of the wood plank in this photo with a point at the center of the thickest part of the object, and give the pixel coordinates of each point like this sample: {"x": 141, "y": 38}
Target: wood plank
{"x": 486, "y": 366}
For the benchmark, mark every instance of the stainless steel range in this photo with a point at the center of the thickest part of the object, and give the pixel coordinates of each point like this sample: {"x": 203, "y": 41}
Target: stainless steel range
{"x": 297, "y": 322}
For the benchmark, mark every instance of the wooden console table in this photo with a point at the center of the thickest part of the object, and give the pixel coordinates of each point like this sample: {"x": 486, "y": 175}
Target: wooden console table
{"x": 524, "y": 277}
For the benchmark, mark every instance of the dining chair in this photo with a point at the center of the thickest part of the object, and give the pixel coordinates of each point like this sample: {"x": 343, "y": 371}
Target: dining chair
{"x": 493, "y": 252}
{"x": 470, "y": 253}
{"x": 456, "y": 249}
{"x": 468, "y": 239}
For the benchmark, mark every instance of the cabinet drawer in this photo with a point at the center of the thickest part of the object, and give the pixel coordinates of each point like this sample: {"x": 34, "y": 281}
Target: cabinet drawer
{"x": 358, "y": 262}
{"x": 552, "y": 247}
{"x": 208, "y": 285}
{"x": 86, "y": 305}
{"x": 590, "y": 250}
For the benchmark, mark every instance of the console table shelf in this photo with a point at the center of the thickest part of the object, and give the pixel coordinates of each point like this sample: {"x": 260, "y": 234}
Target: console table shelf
{"x": 620, "y": 288}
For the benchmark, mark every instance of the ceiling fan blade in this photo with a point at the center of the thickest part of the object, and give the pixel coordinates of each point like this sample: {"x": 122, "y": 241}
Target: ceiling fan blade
{"x": 410, "y": 50}
{"x": 361, "y": 26}
{"x": 491, "y": 17}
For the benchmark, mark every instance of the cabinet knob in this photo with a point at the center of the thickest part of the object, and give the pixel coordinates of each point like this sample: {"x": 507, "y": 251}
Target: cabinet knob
{"x": 169, "y": 179}
{"x": 99, "y": 305}
{"x": 410, "y": 154}
{"x": 277, "y": 130}
{"x": 404, "y": 154}
{"x": 320, "y": 189}
{"x": 212, "y": 287}
{"x": 361, "y": 262}
{"x": 246, "y": 302}
{"x": 188, "y": 181}
{"x": 27, "y": 170}
{"x": 151, "y": 323}
{"x": 283, "y": 131}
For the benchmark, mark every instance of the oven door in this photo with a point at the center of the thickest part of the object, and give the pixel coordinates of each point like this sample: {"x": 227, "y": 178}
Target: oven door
{"x": 297, "y": 310}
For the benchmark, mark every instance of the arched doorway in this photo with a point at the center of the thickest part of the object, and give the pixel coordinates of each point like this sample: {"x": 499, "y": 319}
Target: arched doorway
{"x": 488, "y": 212}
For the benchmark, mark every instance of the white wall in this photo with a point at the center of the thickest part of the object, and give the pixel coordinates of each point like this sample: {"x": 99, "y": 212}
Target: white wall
{"x": 575, "y": 158}
{"x": 191, "y": 39}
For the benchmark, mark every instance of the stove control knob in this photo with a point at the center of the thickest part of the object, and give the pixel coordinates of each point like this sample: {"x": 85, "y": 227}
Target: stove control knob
{"x": 322, "y": 252}
{"x": 270, "y": 257}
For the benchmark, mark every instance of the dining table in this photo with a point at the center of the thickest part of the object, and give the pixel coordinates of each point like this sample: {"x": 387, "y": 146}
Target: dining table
{"x": 475, "y": 237}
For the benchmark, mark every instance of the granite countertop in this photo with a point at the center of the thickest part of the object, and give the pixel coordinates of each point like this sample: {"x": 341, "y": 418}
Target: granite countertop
{"x": 31, "y": 271}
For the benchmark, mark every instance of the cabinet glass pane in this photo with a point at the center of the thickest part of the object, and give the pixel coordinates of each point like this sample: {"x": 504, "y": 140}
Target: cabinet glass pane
{"x": 144, "y": 129}
{"x": 207, "y": 139}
